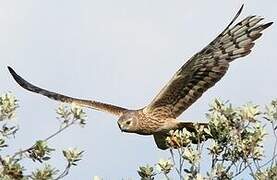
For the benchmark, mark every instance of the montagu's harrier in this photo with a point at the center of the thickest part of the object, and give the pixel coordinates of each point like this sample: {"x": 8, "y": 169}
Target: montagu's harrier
{"x": 197, "y": 75}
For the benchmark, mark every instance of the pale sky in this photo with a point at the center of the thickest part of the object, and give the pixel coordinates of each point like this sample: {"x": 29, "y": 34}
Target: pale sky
{"x": 121, "y": 52}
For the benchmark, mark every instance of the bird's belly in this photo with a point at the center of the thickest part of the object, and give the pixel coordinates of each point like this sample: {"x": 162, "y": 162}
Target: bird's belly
{"x": 151, "y": 126}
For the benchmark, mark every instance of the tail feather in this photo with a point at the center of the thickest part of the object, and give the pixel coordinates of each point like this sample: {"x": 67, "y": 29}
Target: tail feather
{"x": 160, "y": 138}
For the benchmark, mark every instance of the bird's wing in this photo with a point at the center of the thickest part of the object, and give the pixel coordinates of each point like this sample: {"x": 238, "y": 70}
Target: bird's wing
{"x": 206, "y": 67}
{"x": 115, "y": 110}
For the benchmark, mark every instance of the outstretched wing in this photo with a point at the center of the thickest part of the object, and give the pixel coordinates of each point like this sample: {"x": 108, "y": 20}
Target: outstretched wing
{"x": 115, "y": 110}
{"x": 207, "y": 67}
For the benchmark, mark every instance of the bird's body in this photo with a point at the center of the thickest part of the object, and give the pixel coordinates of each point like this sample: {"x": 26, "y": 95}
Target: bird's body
{"x": 147, "y": 124}
{"x": 198, "y": 74}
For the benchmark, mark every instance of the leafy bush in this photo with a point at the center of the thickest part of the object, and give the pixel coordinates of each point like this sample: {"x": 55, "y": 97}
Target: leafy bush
{"x": 11, "y": 166}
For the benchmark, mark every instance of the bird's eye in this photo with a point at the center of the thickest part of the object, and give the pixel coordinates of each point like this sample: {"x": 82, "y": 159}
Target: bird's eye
{"x": 128, "y": 122}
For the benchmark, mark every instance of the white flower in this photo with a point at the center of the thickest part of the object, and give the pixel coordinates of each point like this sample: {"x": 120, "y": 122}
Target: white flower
{"x": 191, "y": 155}
{"x": 8, "y": 105}
{"x": 164, "y": 166}
{"x": 73, "y": 155}
{"x": 249, "y": 112}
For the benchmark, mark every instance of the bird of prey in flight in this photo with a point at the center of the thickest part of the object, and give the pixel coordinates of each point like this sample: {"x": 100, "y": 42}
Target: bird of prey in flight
{"x": 198, "y": 74}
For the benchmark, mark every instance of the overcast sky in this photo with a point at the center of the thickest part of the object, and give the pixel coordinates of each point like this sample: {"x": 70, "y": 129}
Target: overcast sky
{"x": 120, "y": 52}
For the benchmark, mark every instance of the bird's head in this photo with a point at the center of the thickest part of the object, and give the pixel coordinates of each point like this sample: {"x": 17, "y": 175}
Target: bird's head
{"x": 128, "y": 122}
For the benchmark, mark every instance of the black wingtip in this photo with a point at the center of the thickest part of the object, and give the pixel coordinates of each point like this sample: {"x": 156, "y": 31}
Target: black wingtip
{"x": 10, "y": 69}
{"x": 241, "y": 8}
{"x": 17, "y": 78}
{"x": 22, "y": 82}
{"x": 13, "y": 73}
{"x": 267, "y": 25}
{"x": 236, "y": 16}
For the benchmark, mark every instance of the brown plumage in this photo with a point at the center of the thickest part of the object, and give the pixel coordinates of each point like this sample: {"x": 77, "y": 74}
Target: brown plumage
{"x": 197, "y": 75}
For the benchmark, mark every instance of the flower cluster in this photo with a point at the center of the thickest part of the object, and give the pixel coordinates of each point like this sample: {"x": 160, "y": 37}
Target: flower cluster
{"x": 40, "y": 151}
{"x": 164, "y": 166}
{"x": 8, "y": 105}
{"x": 45, "y": 173}
{"x": 10, "y": 169}
{"x": 146, "y": 172}
{"x": 73, "y": 155}
{"x": 178, "y": 138}
{"x": 71, "y": 114}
